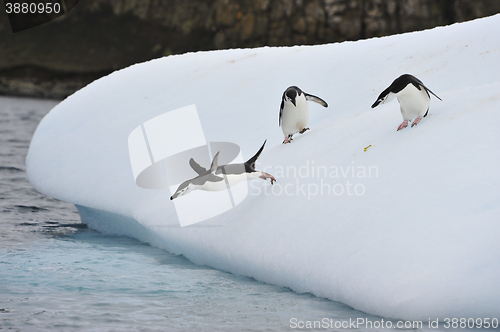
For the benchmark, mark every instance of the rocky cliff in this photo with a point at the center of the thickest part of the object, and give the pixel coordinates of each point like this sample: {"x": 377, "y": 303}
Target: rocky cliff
{"x": 99, "y": 36}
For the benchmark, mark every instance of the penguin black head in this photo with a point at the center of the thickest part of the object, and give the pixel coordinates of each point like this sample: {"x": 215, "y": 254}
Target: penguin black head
{"x": 291, "y": 94}
{"x": 382, "y": 98}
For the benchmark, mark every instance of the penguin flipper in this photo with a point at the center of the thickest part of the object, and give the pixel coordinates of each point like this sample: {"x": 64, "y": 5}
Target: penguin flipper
{"x": 214, "y": 178}
{"x": 425, "y": 88}
{"x": 281, "y": 109}
{"x": 215, "y": 163}
{"x": 315, "y": 99}
{"x": 435, "y": 95}
{"x": 201, "y": 180}
{"x": 197, "y": 167}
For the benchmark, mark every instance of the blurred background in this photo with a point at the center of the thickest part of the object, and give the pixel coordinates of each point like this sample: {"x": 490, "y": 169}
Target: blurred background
{"x": 97, "y": 37}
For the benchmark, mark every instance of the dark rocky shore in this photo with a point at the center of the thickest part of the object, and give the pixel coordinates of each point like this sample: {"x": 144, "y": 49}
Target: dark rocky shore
{"x": 97, "y": 37}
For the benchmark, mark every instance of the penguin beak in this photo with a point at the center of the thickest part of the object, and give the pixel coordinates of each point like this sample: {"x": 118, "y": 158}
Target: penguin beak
{"x": 181, "y": 191}
{"x": 175, "y": 195}
{"x": 294, "y": 102}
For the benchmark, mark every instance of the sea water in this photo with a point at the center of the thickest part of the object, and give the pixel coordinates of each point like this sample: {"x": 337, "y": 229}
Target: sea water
{"x": 56, "y": 274}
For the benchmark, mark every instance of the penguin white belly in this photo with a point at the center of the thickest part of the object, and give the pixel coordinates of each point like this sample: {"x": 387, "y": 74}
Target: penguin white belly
{"x": 214, "y": 186}
{"x": 413, "y": 102}
{"x": 232, "y": 179}
{"x": 295, "y": 118}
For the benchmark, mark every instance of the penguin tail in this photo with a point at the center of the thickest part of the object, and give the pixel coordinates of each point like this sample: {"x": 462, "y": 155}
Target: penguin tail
{"x": 251, "y": 161}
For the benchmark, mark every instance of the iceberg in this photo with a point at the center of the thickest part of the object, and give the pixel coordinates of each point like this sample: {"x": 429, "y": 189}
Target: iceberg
{"x": 398, "y": 224}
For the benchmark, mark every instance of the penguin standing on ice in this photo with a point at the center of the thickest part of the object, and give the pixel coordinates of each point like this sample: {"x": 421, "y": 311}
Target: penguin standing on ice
{"x": 413, "y": 97}
{"x": 294, "y": 113}
{"x": 220, "y": 177}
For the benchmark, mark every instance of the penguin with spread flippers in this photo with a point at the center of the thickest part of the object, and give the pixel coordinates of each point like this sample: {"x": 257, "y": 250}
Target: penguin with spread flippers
{"x": 413, "y": 96}
{"x": 294, "y": 113}
{"x": 221, "y": 177}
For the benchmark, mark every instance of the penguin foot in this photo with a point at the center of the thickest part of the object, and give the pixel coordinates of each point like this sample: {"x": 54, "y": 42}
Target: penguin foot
{"x": 304, "y": 130}
{"x": 288, "y": 139}
{"x": 403, "y": 125}
{"x": 416, "y": 121}
{"x": 266, "y": 176}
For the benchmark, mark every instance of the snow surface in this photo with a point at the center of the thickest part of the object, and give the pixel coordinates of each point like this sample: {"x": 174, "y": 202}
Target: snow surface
{"x": 413, "y": 235}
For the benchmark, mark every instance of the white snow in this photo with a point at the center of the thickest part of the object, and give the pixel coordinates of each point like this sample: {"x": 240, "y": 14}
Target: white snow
{"x": 407, "y": 229}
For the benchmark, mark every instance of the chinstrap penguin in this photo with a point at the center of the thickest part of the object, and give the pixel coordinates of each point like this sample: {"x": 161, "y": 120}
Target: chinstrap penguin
{"x": 219, "y": 177}
{"x": 294, "y": 113}
{"x": 413, "y": 97}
